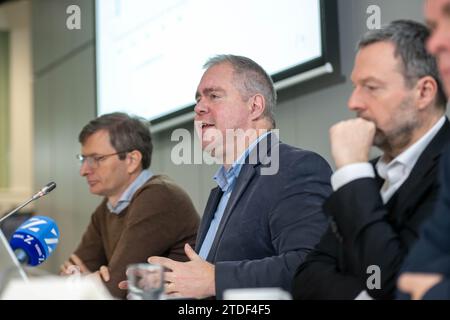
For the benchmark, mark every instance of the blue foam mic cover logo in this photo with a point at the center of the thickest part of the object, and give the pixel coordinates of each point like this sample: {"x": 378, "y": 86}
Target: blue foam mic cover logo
{"x": 38, "y": 237}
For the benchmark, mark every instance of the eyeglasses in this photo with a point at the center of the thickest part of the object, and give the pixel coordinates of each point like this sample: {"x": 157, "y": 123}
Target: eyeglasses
{"x": 94, "y": 161}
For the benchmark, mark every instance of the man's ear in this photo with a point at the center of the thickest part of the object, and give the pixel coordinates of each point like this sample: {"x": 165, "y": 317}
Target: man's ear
{"x": 134, "y": 159}
{"x": 427, "y": 90}
{"x": 257, "y": 106}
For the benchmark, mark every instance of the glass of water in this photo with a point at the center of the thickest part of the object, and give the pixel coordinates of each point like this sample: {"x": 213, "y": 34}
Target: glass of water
{"x": 145, "y": 281}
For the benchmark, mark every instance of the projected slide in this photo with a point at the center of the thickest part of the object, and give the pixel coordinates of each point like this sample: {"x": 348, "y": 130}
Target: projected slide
{"x": 150, "y": 52}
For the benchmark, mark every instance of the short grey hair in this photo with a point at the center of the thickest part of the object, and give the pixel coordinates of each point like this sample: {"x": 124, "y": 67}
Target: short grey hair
{"x": 409, "y": 38}
{"x": 250, "y": 79}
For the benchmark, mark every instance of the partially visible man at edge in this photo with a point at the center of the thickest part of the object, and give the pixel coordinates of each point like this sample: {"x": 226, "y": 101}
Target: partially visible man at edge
{"x": 426, "y": 271}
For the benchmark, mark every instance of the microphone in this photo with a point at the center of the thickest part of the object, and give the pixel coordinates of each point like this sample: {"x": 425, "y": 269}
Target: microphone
{"x": 35, "y": 240}
{"x": 45, "y": 190}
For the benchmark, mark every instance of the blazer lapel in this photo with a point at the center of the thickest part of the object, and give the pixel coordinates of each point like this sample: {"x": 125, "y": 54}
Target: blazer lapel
{"x": 245, "y": 176}
{"x": 247, "y": 173}
{"x": 211, "y": 207}
{"x": 379, "y": 180}
{"x": 418, "y": 180}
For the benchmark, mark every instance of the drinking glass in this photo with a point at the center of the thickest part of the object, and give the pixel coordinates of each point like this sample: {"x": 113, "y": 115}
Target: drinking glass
{"x": 145, "y": 281}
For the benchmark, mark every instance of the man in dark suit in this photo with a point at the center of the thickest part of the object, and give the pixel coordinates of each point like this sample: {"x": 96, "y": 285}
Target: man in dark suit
{"x": 266, "y": 213}
{"x": 377, "y": 207}
{"x": 427, "y": 268}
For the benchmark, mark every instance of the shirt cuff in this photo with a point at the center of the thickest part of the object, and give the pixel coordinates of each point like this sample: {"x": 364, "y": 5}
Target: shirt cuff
{"x": 351, "y": 172}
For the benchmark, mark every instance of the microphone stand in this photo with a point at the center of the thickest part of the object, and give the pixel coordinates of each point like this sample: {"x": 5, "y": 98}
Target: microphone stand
{"x": 17, "y": 209}
{"x": 49, "y": 187}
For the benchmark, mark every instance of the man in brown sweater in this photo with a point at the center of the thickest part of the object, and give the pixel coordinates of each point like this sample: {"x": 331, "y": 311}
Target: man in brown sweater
{"x": 141, "y": 214}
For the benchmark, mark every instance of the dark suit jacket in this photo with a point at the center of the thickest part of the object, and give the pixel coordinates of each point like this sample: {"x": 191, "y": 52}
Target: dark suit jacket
{"x": 431, "y": 253}
{"x": 364, "y": 232}
{"x": 271, "y": 221}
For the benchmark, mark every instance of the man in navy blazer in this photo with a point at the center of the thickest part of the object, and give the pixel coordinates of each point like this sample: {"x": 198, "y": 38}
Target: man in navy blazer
{"x": 426, "y": 271}
{"x": 266, "y": 213}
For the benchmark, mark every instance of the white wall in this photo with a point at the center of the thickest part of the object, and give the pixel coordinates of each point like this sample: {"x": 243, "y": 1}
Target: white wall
{"x": 16, "y": 18}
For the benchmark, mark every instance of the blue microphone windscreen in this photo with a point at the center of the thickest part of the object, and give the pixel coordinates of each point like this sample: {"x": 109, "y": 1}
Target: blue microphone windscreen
{"x": 38, "y": 237}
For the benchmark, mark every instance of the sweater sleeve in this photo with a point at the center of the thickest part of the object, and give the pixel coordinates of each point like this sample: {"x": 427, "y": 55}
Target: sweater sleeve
{"x": 91, "y": 250}
{"x": 159, "y": 222}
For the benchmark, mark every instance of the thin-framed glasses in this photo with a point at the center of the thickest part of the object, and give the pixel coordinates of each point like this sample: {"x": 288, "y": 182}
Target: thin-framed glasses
{"x": 94, "y": 161}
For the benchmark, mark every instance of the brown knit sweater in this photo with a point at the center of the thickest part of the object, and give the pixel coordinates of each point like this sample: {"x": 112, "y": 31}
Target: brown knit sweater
{"x": 158, "y": 222}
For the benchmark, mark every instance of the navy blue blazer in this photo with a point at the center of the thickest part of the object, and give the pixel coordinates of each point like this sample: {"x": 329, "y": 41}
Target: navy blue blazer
{"x": 364, "y": 231}
{"x": 431, "y": 253}
{"x": 271, "y": 222}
